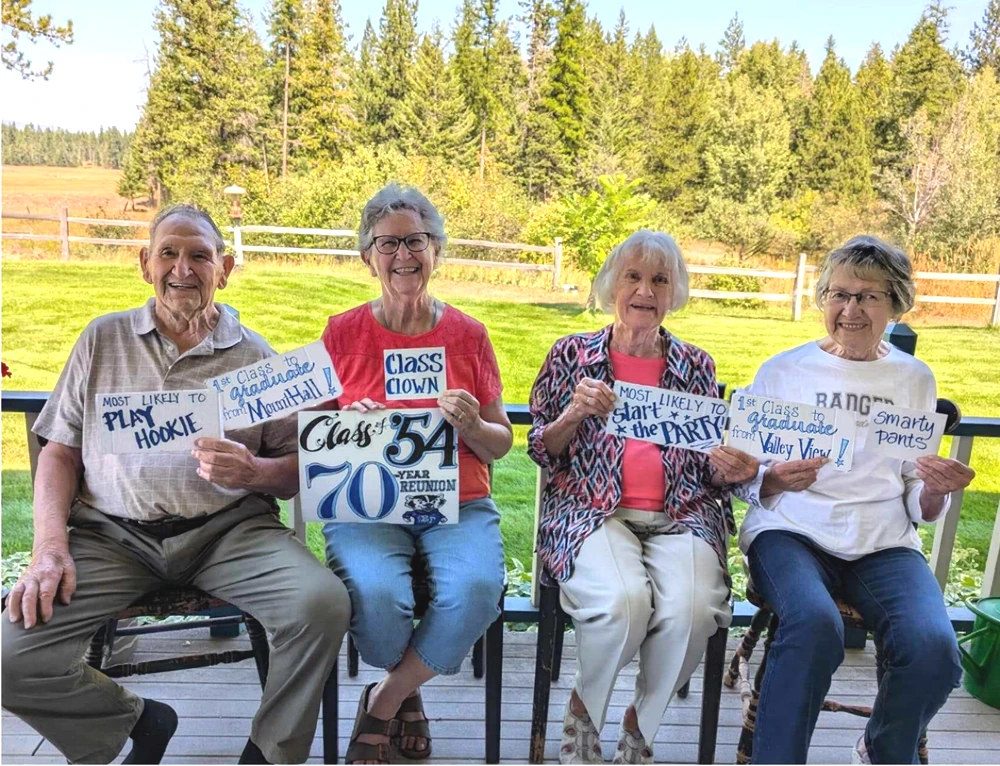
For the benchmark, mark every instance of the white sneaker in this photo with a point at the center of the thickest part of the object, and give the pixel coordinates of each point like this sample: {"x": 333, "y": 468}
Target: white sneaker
{"x": 860, "y": 752}
{"x": 581, "y": 742}
{"x": 632, "y": 749}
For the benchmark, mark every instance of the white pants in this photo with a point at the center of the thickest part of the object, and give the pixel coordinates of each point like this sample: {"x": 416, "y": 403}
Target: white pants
{"x": 632, "y": 589}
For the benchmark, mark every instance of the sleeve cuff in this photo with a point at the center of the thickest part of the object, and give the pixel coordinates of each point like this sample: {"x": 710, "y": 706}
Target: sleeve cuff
{"x": 913, "y": 507}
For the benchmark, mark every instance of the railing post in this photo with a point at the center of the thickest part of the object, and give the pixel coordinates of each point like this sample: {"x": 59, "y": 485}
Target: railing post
{"x": 799, "y": 288}
{"x": 34, "y": 448}
{"x": 557, "y": 271}
{"x": 237, "y": 242}
{"x": 64, "y": 231}
{"x": 947, "y": 528}
{"x": 991, "y": 577}
{"x": 995, "y": 316}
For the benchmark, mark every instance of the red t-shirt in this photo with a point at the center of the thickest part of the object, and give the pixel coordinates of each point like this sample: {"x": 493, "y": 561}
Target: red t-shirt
{"x": 643, "y": 483}
{"x": 356, "y": 342}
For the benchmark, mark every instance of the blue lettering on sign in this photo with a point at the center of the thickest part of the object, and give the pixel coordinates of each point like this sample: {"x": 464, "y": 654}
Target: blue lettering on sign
{"x": 409, "y": 433}
{"x": 354, "y": 481}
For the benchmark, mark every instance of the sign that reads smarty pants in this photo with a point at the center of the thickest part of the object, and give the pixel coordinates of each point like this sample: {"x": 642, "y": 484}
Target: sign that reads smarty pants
{"x": 303, "y": 377}
{"x": 784, "y": 431}
{"x": 157, "y": 421}
{"x": 668, "y": 418}
{"x": 414, "y": 373}
{"x": 904, "y": 433}
{"x": 390, "y": 466}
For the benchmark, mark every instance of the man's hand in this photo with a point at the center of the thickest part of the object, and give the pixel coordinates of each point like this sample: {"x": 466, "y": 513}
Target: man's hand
{"x": 793, "y": 476}
{"x": 731, "y": 466}
{"x": 226, "y": 463}
{"x": 51, "y": 571}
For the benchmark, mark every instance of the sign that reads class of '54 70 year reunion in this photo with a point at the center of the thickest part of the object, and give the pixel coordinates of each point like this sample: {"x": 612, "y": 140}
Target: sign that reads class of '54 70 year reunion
{"x": 390, "y": 466}
{"x": 668, "y": 418}
{"x": 774, "y": 429}
{"x": 904, "y": 433}
{"x": 156, "y": 421}
{"x": 414, "y": 373}
{"x": 303, "y": 377}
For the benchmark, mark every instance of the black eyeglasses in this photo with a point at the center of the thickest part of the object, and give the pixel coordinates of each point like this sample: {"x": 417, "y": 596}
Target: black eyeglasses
{"x": 415, "y": 243}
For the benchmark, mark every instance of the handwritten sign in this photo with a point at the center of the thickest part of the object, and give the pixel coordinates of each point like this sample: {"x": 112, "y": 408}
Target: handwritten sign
{"x": 414, "y": 373}
{"x": 667, "y": 418}
{"x": 785, "y": 431}
{"x": 277, "y": 386}
{"x": 904, "y": 433}
{"x": 157, "y": 421}
{"x": 389, "y": 466}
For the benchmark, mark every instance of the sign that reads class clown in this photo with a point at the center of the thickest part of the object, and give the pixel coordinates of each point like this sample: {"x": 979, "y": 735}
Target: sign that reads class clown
{"x": 784, "y": 431}
{"x": 904, "y": 433}
{"x": 303, "y": 377}
{"x": 414, "y": 373}
{"x": 156, "y": 421}
{"x": 389, "y": 466}
{"x": 667, "y": 418}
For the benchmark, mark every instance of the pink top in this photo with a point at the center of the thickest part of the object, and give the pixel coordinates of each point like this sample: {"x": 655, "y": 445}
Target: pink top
{"x": 356, "y": 341}
{"x": 643, "y": 484}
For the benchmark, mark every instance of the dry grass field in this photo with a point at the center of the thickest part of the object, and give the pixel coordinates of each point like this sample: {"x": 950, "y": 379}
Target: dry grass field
{"x": 43, "y": 190}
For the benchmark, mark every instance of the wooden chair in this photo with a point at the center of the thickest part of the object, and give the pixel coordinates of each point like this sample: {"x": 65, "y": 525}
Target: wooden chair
{"x": 766, "y": 620}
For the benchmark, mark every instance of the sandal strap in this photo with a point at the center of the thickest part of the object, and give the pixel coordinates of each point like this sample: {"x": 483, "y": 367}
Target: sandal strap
{"x": 412, "y": 704}
{"x": 369, "y": 724}
{"x": 414, "y": 729}
{"x": 366, "y": 751}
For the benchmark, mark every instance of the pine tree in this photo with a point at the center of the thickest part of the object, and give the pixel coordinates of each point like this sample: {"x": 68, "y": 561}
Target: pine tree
{"x": 132, "y": 182}
{"x": 18, "y": 22}
{"x": 285, "y": 20}
{"x": 367, "y": 91}
{"x": 984, "y": 41}
{"x": 731, "y": 46}
{"x": 834, "y": 152}
{"x": 567, "y": 99}
{"x": 927, "y": 75}
{"x": 397, "y": 45}
{"x": 874, "y": 84}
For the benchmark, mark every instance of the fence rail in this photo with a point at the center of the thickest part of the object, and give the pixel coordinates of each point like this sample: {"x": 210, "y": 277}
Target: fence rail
{"x": 799, "y": 277}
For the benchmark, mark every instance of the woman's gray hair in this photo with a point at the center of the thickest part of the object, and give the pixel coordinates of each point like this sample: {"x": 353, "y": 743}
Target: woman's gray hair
{"x": 391, "y": 198}
{"x": 868, "y": 256}
{"x": 651, "y": 247}
{"x": 188, "y": 211}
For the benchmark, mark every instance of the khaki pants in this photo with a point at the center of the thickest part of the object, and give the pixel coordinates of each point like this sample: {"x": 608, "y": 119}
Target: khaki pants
{"x": 244, "y": 555}
{"x": 634, "y": 589}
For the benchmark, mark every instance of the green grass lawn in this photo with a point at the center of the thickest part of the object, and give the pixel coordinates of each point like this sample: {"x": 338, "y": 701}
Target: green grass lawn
{"x": 46, "y": 305}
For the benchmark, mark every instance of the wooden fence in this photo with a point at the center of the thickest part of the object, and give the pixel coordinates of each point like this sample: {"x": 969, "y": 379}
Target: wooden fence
{"x": 798, "y": 277}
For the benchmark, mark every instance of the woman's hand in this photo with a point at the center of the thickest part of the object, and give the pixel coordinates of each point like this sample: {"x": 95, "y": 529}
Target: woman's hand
{"x": 461, "y": 409}
{"x": 731, "y": 466}
{"x": 365, "y": 405}
{"x": 942, "y": 475}
{"x": 793, "y": 476}
{"x": 590, "y": 398}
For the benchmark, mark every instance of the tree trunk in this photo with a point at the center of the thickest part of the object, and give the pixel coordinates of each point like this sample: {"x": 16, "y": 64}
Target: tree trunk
{"x": 284, "y": 115}
{"x": 482, "y": 153}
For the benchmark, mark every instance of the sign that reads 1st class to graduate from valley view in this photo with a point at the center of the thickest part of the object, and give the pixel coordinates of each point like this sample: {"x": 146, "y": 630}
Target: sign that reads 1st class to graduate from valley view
{"x": 390, "y": 466}
{"x": 156, "y": 421}
{"x": 668, "y": 418}
{"x": 414, "y": 373}
{"x": 774, "y": 429}
{"x": 276, "y": 386}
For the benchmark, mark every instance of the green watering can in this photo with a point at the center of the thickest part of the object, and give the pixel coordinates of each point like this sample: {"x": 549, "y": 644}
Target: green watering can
{"x": 981, "y": 660}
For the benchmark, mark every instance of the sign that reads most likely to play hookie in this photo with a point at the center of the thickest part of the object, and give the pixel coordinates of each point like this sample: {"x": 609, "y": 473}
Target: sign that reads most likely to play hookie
{"x": 156, "y": 421}
{"x": 390, "y": 466}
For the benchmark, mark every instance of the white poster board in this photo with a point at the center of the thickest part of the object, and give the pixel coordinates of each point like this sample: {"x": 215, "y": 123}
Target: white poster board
{"x": 782, "y": 431}
{"x": 270, "y": 388}
{"x": 388, "y": 466}
{"x": 414, "y": 373}
{"x": 667, "y": 418}
{"x": 157, "y": 421}
{"x": 904, "y": 433}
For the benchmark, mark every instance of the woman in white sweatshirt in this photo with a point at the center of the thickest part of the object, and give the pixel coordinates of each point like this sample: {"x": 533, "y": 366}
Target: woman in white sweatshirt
{"x": 812, "y": 531}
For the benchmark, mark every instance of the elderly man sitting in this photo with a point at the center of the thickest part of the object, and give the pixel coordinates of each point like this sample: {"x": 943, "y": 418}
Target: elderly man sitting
{"x": 135, "y": 522}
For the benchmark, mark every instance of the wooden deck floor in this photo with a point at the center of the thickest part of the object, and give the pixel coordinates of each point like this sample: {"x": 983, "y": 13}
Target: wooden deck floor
{"x": 216, "y": 704}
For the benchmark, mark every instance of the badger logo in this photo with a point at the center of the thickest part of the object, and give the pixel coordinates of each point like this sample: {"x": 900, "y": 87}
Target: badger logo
{"x": 424, "y": 509}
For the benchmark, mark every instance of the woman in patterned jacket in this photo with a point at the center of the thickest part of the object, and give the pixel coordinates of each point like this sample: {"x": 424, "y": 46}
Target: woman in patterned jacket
{"x": 635, "y": 533}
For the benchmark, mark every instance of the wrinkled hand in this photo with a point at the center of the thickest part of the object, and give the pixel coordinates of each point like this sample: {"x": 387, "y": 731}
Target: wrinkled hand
{"x": 942, "y": 475}
{"x": 794, "y": 476}
{"x": 365, "y": 405}
{"x": 591, "y": 398}
{"x": 461, "y": 409}
{"x": 226, "y": 463}
{"x": 732, "y": 466}
{"x": 51, "y": 571}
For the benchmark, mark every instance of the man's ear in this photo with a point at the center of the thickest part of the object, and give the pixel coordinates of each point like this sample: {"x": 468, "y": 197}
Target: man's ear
{"x": 228, "y": 263}
{"x": 368, "y": 262}
{"x": 144, "y": 264}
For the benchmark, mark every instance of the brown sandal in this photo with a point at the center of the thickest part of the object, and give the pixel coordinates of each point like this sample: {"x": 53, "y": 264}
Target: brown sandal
{"x": 420, "y": 728}
{"x": 368, "y": 724}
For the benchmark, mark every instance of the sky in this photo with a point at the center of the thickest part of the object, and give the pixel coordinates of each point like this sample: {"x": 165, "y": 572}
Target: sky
{"x": 99, "y": 80}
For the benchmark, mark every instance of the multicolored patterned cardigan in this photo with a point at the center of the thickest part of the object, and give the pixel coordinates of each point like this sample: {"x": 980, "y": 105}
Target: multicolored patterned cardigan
{"x": 585, "y": 481}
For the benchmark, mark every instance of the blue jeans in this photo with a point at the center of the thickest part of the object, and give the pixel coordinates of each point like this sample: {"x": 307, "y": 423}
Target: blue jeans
{"x": 465, "y": 566}
{"x": 897, "y": 594}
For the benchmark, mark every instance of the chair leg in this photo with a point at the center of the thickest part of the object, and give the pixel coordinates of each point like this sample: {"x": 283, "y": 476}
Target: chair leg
{"x": 684, "y": 690}
{"x": 494, "y": 688}
{"x": 745, "y": 650}
{"x": 560, "y": 634}
{"x": 744, "y": 750}
{"x": 922, "y": 754}
{"x": 94, "y": 656}
{"x": 258, "y": 642}
{"x": 544, "y": 658}
{"x": 331, "y": 716}
{"x": 352, "y": 657}
{"x": 477, "y": 658}
{"x": 711, "y": 695}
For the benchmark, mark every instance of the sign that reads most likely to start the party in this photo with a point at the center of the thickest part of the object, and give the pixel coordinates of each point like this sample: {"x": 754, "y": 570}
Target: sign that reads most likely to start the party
{"x": 415, "y": 373}
{"x": 784, "y": 431}
{"x": 668, "y": 418}
{"x": 390, "y": 466}
{"x": 303, "y": 377}
{"x": 157, "y": 421}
